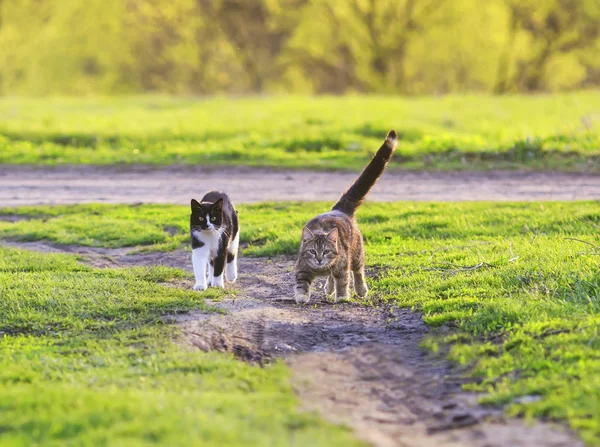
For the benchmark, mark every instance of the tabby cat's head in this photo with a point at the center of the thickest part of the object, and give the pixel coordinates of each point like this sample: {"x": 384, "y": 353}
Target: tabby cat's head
{"x": 206, "y": 216}
{"x": 319, "y": 250}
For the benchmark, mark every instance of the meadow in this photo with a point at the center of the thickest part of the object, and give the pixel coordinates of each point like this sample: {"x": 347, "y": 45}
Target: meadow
{"x": 556, "y": 132}
{"x": 86, "y": 359}
{"x": 517, "y": 284}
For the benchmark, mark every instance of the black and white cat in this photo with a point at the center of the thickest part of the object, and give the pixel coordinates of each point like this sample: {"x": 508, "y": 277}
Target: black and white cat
{"x": 215, "y": 240}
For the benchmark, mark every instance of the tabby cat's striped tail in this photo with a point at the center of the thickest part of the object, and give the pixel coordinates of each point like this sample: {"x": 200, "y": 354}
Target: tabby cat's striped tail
{"x": 354, "y": 196}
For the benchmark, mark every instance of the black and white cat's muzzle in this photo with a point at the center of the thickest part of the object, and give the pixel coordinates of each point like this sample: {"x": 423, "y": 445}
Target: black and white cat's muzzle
{"x": 205, "y": 228}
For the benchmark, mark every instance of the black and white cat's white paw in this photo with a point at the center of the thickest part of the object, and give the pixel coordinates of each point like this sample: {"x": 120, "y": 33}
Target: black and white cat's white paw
{"x": 231, "y": 271}
{"x": 217, "y": 281}
{"x": 199, "y": 286}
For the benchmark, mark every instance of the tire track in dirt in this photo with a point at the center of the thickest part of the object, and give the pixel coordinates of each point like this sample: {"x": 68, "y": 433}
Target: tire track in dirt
{"x": 354, "y": 365}
{"x": 26, "y": 185}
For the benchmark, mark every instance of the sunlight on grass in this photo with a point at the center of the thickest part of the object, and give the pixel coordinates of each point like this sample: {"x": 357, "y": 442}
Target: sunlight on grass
{"x": 449, "y": 132}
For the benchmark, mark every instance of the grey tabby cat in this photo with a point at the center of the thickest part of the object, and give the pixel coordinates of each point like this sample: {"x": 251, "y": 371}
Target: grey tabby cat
{"x": 332, "y": 245}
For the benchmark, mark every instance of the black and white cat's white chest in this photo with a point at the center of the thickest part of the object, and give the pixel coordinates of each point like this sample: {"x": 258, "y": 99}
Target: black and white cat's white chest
{"x": 212, "y": 240}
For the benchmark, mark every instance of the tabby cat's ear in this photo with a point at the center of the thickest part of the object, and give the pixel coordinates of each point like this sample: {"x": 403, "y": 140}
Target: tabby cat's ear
{"x": 218, "y": 205}
{"x": 332, "y": 236}
{"x": 194, "y": 204}
{"x": 307, "y": 235}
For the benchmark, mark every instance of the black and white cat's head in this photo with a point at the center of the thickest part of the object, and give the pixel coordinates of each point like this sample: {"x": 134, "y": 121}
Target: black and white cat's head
{"x": 206, "y": 216}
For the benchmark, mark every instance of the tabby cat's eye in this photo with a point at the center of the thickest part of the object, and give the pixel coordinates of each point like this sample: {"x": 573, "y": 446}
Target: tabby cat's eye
{"x": 212, "y": 219}
{"x": 312, "y": 252}
{"x": 326, "y": 252}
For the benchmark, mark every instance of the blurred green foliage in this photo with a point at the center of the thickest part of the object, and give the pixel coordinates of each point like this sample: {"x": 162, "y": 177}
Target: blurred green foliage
{"x": 300, "y": 46}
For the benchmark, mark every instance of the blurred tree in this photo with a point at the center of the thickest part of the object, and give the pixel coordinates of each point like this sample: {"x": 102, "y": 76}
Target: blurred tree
{"x": 59, "y": 47}
{"x": 160, "y": 36}
{"x": 459, "y": 51}
{"x": 258, "y": 30}
{"x": 320, "y": 46}
{"x": 559, "y": 33}
{"x": 361, "y": 45}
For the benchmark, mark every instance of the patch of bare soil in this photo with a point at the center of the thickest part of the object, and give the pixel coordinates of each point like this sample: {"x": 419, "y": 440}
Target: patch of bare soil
{"x": 26, "y": 185}
{"x": 354, "y": 365}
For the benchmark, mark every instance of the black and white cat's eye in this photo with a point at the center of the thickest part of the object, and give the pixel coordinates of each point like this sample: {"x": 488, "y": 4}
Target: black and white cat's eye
{"x": 201, "y": 219}
{"x": 212, "y": 219}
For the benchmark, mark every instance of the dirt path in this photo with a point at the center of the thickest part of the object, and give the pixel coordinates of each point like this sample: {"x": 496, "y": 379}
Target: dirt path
{"x": 22, "y": 185}
{"x": 359, "y": 366}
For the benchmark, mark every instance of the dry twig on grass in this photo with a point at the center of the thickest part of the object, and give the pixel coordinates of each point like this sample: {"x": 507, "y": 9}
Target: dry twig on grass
{"x": 453, "y": 268}
{"x": 596, "y": 247}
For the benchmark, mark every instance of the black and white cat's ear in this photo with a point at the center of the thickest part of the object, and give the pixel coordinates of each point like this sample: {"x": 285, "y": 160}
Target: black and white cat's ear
{"x": 218, "y": 205}
{"x": 332, "y": 236}
{"x": 307, "y": 235}
{"x": 194, "y": 204}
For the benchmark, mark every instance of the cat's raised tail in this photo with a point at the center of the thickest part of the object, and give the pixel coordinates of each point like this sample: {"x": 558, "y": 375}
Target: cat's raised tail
{"x": 354, "y": 196}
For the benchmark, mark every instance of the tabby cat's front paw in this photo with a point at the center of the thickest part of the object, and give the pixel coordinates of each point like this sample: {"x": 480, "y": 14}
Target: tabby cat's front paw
{"x": 200, "y": 286}
{"x": 217, "y": 281}
{"x": 330, "y": 286}
{"x": 341, "y": 298}
{"x": 362, "y": 291}
{"x": 301, "y": 297}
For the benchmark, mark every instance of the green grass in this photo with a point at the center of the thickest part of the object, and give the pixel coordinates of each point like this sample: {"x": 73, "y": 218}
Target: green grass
{"x": 86, "y": 360}
{"x": 559, "y": 132}
{"x": 101, "y": 225}
{"x": 521, "y": 293}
